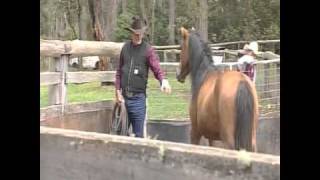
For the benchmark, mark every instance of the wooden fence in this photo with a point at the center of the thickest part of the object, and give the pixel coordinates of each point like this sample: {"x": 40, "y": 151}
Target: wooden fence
{"x": 58, "y": 77}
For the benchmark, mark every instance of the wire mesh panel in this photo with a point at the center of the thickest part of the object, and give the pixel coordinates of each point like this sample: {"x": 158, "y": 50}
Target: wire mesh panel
{"x": 268, "y": 87}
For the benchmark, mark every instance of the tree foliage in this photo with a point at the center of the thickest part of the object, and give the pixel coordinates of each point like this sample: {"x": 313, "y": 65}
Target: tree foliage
{"x": 228, "y": 20}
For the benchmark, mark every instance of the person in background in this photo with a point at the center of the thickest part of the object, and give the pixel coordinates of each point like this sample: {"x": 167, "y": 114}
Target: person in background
{"x": 247, "y": 59}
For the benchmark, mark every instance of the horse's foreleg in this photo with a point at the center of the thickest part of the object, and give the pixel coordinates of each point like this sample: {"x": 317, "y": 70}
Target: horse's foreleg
{"x": 210, "y": 142}
{"x": 254, "y": 148}
{"x": 195, "y": 137}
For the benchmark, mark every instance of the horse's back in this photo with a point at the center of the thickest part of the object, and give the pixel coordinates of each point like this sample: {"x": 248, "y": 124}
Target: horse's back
{"x": 228, "y": 84}
{"x": 230, "y": 81}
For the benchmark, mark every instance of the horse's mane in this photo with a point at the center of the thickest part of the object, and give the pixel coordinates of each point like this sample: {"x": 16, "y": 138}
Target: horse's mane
{"x": 205, "y": 46}
{"x": 200, "y": 59}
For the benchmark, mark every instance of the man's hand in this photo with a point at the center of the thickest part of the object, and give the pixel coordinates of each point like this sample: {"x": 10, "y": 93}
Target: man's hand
{"x": 165, "y": 86}
{"x": 119, "y": 97}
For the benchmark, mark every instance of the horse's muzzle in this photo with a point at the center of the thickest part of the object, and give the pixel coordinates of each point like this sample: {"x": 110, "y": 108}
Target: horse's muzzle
{"x": 178, "y": 75}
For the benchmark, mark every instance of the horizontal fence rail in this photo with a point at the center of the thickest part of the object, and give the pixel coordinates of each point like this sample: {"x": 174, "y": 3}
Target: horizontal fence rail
{"x": 49, "y": 78}
{"x": 84, "y": 77}
{"x": 56, "y": 48}
{"x": 243, "y": 42}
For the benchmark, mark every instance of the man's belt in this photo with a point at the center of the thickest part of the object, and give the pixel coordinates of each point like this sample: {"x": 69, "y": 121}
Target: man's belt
{"x": 129, "y": 94}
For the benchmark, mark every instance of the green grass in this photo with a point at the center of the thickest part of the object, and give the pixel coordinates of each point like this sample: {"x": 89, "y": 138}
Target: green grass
{"x": 81, "y": 93}
{"x": 160, "y": 105}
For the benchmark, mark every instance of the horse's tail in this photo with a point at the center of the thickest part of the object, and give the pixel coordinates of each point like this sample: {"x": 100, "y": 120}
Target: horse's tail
{"x": 244, "y": 104}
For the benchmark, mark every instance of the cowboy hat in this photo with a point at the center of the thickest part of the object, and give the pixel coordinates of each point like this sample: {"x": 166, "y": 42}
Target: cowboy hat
{"x": 253, "y": 46}
{"x": 138, "y": 25}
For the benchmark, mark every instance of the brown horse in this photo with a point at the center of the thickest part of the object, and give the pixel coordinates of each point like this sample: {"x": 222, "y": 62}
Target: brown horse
{"x": 224, "y": 105}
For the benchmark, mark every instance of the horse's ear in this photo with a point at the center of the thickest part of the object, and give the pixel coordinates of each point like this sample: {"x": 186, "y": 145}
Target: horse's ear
{"x": 184, "y": 32}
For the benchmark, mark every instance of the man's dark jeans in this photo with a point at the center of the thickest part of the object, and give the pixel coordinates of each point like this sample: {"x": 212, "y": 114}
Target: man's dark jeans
{"x": 136, "y": 108}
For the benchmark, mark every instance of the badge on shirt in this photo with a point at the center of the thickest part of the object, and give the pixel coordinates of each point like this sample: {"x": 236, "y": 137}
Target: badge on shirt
{"x": 136, "y": 71}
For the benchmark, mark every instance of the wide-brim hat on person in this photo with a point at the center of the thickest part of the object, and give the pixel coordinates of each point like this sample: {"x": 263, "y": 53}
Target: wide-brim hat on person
{"x": 138, "y": 25}
{"x": 253, "y": 46}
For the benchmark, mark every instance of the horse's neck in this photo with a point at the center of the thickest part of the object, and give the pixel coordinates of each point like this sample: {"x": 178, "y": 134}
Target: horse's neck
{"x": 198, "y": 74}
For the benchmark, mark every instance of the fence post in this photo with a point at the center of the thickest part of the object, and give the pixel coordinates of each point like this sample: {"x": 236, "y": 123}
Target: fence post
{"x": 274, "y": 49}
{"x": 266, "y": 81}
{"x": 53, "y": 90}
{"x": 64, "y": 59}
{"x": 278, "y": 81}
{"x": 165, "y": 58}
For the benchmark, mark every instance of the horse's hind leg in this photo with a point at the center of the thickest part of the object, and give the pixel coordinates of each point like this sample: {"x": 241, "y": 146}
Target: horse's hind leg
{"x": 195, "y": 137}
{"x": 254, "y": 143}
{"x": 228, "y": 139}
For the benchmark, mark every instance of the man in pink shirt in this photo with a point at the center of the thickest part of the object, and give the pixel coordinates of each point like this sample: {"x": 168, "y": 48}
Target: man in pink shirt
{"x": 136, "y": 58}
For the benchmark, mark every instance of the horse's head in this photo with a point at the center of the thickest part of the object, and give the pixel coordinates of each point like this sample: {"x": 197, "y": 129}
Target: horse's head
{"x": 184, "y": 67}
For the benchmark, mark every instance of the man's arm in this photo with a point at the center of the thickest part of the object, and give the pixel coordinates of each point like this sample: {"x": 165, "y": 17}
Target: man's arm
{"x": 154, "y": 64}
{"x": 119, "y": 97}
{"x": 118, "y": 72}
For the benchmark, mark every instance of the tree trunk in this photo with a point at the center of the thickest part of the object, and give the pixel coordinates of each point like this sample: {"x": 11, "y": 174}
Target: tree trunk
{"x": 109, "y": 26}
{"x": 143, "y": 10}
{"x": 124, "y": 5}
{"x": 84, "y": 20}
{"x": 97, "y": 24}
{"x": 145, "y": 14}
{"x": 60, "y": 27}
{"x": 81, "y": 29}
{"x": 146, "y": 9}
{"x": 109, "y": 14}
{"x": 97, "y": 20}
{"x": 103, "y": 24}
{"x": 70, "y": 20}
{"x": 153, "y": 21}
{"x": 172, "y": 7}
{"x": 80, "y": 23}
{"x": 203, "y": 20}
